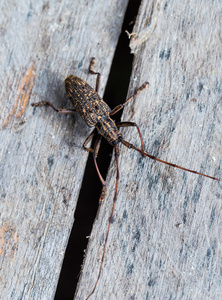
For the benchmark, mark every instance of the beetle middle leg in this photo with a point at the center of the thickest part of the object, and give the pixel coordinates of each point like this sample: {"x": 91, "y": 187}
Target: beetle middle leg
{"x": 129, "y": 124}
{"x": 95, "y": 152}
{"x": 88, "y": 139}
{"x": 92, "y": 63}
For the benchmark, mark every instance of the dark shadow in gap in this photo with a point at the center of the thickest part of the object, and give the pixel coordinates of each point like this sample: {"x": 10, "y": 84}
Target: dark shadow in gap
{"x": 115, "y": 93}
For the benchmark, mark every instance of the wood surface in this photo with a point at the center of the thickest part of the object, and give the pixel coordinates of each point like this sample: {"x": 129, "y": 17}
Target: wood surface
{"x": 42, "y": 160}
{"x": 165, "y": 238}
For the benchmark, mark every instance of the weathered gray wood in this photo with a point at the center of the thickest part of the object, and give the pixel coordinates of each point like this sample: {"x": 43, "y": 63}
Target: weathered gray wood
{"x": 165, "y": 241}
{"x": 42, "y": 160}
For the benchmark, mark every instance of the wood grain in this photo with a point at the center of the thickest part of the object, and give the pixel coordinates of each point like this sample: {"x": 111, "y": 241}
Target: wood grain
{"x": 165, "y": 239}
{"x": 42, "y": 160}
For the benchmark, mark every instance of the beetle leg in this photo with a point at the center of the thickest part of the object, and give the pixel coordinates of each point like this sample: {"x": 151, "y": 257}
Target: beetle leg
{"x": 88, "y": 139}
{"x": 59, "y": 110}
{"x": 120, "y": 106}
{"x": 95, "y": 154}
{"x": 128, "y": 124}
{"x": 92, "y": 63}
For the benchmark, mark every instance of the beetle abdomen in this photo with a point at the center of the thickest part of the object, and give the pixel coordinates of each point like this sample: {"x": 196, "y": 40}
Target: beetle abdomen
{"x": 86, "y": 101}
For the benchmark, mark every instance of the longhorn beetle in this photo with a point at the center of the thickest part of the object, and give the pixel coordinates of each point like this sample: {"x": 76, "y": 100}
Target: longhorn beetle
{"x": 96, "y": 113}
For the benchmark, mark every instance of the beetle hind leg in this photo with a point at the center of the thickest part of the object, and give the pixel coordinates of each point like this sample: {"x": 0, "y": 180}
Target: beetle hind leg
{"x": 59, "y": 110}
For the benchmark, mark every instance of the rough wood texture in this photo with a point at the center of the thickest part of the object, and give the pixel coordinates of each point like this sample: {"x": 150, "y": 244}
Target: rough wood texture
{"x": 41, "y": 170}
{"x": 165, "y": 240}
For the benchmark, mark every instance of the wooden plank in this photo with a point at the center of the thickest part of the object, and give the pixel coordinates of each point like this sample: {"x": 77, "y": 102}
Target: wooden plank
{"x": 165, "y": 239}
{"x": 42, "y": 160}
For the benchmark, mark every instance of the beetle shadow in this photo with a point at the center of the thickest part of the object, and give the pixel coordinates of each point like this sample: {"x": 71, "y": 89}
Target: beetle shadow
{"x": 52, "y": 89}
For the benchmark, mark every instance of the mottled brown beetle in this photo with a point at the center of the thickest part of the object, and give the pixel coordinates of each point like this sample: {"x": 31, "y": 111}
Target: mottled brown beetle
{"x": 96, "y": 113}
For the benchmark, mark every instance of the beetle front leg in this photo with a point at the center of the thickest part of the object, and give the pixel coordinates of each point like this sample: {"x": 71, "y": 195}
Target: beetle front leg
{"x": 120, "y": 106}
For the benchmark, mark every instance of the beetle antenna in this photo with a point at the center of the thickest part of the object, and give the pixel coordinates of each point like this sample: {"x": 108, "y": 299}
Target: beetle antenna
{"x": 131, "y": 146}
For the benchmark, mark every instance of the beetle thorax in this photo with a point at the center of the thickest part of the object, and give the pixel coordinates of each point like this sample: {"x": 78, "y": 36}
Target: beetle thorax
{"x": 108, "y": 129}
